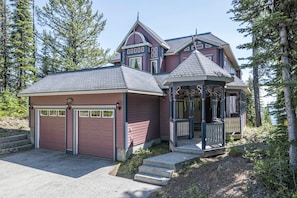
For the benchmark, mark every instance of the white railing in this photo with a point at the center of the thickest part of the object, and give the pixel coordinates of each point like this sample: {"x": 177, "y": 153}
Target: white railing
{"x": 232, "y": 125}
{"x": 214, "y": 134}
{"x": 182, "y": 128}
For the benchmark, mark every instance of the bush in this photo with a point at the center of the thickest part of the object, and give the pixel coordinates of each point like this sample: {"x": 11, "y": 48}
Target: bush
{"x": 11, "y": 105}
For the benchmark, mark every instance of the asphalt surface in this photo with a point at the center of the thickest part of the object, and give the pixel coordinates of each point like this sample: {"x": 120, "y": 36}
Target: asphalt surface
{"x": 44, "y": 173}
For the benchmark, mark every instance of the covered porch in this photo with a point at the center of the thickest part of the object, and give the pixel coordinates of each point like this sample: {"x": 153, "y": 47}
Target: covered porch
{"x": 197, "y": 105}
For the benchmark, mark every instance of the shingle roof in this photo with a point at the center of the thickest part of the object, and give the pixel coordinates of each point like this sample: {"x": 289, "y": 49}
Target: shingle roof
{"x": 149, "y": 31}
{"x": 112, "y": 79}
{"x": 160, "y": 78}
{"x": 198, "y": 67}
{"x": 237, "y": 84}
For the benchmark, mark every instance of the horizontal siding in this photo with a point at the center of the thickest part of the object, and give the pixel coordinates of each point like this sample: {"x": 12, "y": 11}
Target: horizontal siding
{"x": 143, "y": 118}
{"x": 164, "y": 116}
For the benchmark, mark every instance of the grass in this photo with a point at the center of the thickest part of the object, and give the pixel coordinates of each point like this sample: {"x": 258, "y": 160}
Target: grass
{"x": 129, "y": 168}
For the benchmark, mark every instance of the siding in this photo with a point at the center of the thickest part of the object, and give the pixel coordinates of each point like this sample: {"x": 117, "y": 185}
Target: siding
{"x": 164, "y": 117}
{"x": 88, "y": 99}
{"x": 143, "y": 118}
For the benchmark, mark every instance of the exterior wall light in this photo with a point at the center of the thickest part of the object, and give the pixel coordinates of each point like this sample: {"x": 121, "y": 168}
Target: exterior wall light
{"x": 69, "y": 102}
{"x": 118, "y": 106}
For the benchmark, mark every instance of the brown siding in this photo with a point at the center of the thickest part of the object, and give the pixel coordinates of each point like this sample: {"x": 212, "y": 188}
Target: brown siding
{"x": 95, "y": 136}
{"x": 52, "y": 133}
{"x": 164, "y": 117}
{"x": 88, "y": 99}
{"x": 143, "y": 118}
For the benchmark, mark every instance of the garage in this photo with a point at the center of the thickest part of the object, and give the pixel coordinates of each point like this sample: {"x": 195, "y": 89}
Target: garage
{"x": 96, "y": 132}
{"x": 52, "y": 129}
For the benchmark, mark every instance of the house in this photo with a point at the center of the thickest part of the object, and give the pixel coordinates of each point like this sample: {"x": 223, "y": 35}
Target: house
{"x": 157, "y": 90}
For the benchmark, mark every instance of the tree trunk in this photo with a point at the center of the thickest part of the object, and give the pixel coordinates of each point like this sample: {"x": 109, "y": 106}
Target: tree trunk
{"x": 286, "y": 77}
{"x": 256, "y": 91}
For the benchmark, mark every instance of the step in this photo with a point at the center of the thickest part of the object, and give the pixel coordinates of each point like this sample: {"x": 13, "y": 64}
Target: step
{"x": 14, "y": 143}
{"x": 13, "y": 138}
{"x": 173, "y": 160}
{"x": 16, "y": 149}
{"x": 151, "y": 179}
{"x": 184, "y": 149}
{"x": 153, "y": 170}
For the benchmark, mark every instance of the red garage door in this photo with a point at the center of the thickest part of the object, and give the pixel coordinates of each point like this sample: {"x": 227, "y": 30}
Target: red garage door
{"x": 95, "y": 133}
{"x": 52, "y": 129}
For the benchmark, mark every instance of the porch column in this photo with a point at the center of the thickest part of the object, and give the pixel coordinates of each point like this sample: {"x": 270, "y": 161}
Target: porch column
{"x": 223, "y": 113}
{"x": 203, "y": 122}
{"x": 191, "y": 117}
{"x": 173, "y": 111}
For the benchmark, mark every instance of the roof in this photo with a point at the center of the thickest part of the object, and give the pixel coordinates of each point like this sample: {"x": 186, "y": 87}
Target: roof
{"x": 160, "y": 78}
{"x": 198, "y": 67}
{"x": 178, "y": 44}
{"x": 114, "y": 79}
{"x": 238, "y": 84}
{"x": 149, "y": 31}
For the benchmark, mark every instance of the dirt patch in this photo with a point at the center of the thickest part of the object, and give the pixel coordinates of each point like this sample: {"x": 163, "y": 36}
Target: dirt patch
{"x": 228, "y": 175}
{"x": 13, "y": 126}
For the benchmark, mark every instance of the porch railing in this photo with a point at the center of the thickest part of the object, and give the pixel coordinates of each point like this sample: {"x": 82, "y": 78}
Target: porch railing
{"x": 232, "y": 125}
{"x": 182, "y": 127}
{"x": 214, "y": 134}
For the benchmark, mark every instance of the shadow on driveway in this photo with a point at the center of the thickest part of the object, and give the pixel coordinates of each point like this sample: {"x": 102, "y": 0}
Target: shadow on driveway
{"x": 74, "y": 166}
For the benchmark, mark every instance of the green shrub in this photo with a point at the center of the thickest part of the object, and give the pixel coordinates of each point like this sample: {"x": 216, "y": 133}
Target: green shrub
{"x": 192, "y": 192}
{"x": 11, "y": 105}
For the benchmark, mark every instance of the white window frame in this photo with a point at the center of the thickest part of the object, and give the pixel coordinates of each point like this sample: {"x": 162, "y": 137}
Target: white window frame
{"x": 61, "y": 115}
{"x": 52, "y": 110}
{"x": 209, "y": 56}
{"x": 94, "y": 116}
{"x": 156, "y": 66}
{"x": 132, "y": 61}
{"x": 112, "y": 112}
{"x": 84, "y": 116}
{"x": 42, "y": 111}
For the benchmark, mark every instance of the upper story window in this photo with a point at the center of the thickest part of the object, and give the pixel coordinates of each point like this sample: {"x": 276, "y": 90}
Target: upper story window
{"x": 154, "y": 67}
{"x": 209, "y": 56}
{"x": 136, "y": 62}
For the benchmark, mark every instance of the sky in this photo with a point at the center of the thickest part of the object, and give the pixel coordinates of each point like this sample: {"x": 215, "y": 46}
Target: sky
{"x": 170, "y": 19}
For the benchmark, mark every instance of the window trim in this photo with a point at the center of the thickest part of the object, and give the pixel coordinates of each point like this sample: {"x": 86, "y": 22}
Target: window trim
{"x": 60, "y": 110}
{"x": 156, "y": 66}
{"x": 44, "y": 110}
{"x": 84, "y": 116}
{"x": 92, "y": 116}
{"x": 111, "y": 116}
{"x": 53, "y": 115}
{"x": 140, "y": 67}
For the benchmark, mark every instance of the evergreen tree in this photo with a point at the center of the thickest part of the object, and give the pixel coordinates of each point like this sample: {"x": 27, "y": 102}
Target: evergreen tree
{"x": 250, "y": 106}
{"x": 4, "y": 46}
{"x": 73, "y": 30}
{"x": 273, "y": 24}
{"x": 23, "y": 44}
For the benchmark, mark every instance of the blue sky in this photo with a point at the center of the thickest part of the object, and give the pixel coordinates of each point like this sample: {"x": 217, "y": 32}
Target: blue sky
{"x": 170, "y": 19}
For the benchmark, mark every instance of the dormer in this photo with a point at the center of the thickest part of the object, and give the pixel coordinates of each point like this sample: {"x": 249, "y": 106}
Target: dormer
{"x": 142, "y": 49}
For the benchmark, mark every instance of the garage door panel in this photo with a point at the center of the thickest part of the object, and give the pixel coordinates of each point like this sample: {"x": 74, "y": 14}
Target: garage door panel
{"x": 95, "y": 136}
{"x": 52, "y": 133}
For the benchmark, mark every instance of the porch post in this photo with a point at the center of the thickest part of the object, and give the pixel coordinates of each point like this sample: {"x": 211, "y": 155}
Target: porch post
{"x": 191, "y": 117}
{"x": 174, "y": 138}
{"x": 223, "y": 113}
{"x": 203, "y": 123}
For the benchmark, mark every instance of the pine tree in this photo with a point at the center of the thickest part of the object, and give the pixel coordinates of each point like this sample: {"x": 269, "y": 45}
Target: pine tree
{"x": 250, "y": 106}
{"x": 273, "y": 23}
{"x": 4, "y": 46}
{"x": 73, "y": 30}
{"x": 23, "y": 44}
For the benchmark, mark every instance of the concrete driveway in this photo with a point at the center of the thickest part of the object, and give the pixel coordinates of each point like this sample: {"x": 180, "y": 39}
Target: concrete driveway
{"x": 44, "y": 173}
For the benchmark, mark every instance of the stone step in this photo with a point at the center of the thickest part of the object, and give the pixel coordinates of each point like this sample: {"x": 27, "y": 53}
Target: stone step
{"x": 153, "y": 170}
{"x": 151, "y": 179}
{"x": 173, "y": 160}
{"x": 16, "y": 149}
{"x": 14, "y": 143}
{"x": 187, "y": 150}
{"x": 13, "y": 138}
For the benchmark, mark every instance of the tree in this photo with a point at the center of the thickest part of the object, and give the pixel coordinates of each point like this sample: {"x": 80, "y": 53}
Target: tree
{"x": 73, "y": 30}
{"x": 273, "y": 23}
{"x": 4, "y": 47}
{"x": 250, "y": 106}
{"x": 22, "y": 45}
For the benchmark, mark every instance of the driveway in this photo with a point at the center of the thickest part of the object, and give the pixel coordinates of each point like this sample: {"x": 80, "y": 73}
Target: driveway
{"x": 44, "y": 173}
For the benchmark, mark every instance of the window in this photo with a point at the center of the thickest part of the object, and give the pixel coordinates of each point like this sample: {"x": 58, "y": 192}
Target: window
{"x": 52, "y": 112}
{"x": 95, "y": 114}
{"x": 83, "y": 113}
{"x": 209, "y": 56}
{"x": 154, "y": 68}
{"x": 107, "y": 114}
{"x": 135, "y": 62}
{"x": 61, "y": 113}
{"x": 44, "y": 112}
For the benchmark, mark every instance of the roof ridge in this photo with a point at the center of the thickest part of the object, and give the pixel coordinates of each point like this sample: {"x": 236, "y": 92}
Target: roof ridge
{"x": 177, "y": 38}
{"x": 197, "y": 54}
